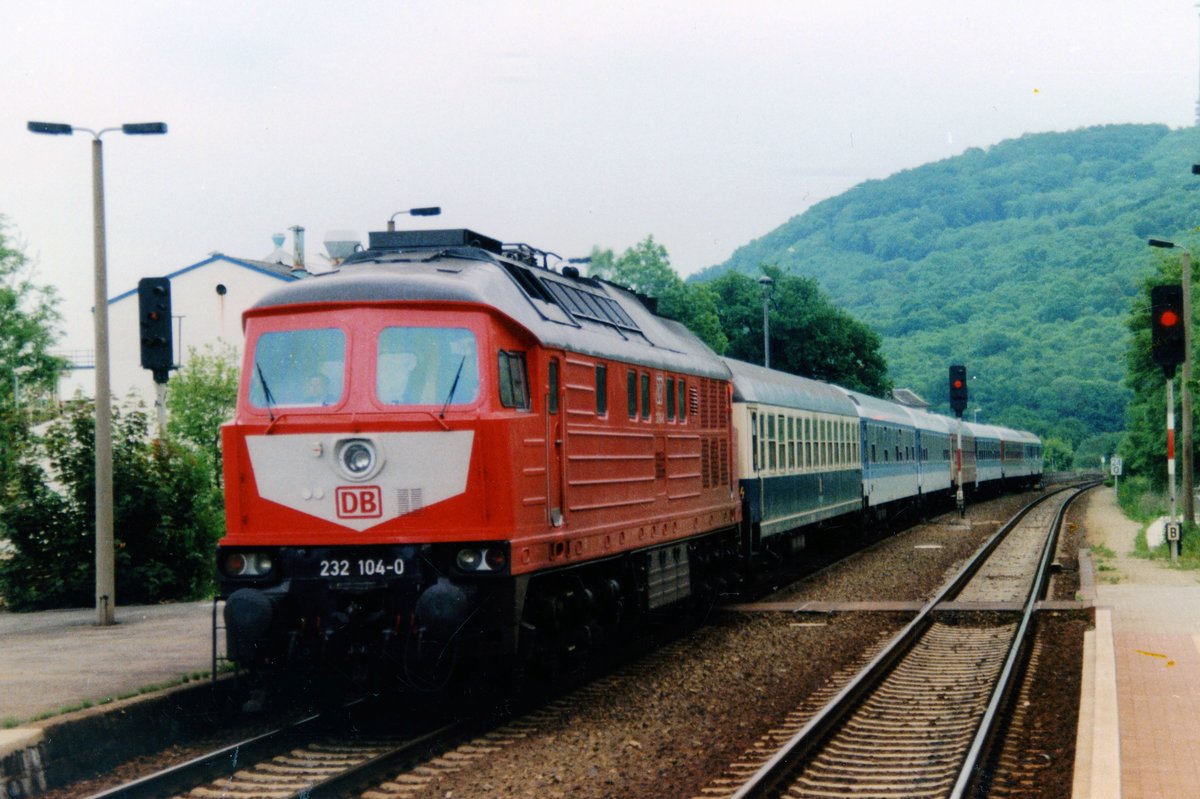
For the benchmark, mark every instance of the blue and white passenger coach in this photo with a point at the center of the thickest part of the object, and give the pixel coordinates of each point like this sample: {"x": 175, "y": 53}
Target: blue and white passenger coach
{"x": 797, "y": 454}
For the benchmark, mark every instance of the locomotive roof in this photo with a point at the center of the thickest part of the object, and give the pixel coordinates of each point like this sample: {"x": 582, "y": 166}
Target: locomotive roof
{"x": 580, "y": 314}
{"x": 753, "y": 383}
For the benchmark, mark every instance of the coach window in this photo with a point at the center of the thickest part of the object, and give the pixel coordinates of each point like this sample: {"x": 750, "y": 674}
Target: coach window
{"x": 298, "y": 368}
{"x": 601, "y": 389}
{"x": 771, "y": 442}
{"x": 762, "y": 442}
{"x": 808, "y": 443}
{"x": 514, "y": 381}
{"x": 791, "y": 442}
{"x": 754, "y": 461}
{"x": 631, "y": 393}
{"x": 645, "y": 396}
{"x": 552, "y": 389}
{"x": 670, "y": 399}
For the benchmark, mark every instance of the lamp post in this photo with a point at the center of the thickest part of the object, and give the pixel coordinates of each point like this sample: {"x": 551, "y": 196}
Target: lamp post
{"x": 431, "y": 211}
{"x": 1187, "y": 475}
{"x": 766, "y": 282}
{"x": 105, "y": 566}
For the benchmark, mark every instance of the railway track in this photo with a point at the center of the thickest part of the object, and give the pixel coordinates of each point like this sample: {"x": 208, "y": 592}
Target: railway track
{"x": 309, "y": 760}
{"x": 919, "y": 719}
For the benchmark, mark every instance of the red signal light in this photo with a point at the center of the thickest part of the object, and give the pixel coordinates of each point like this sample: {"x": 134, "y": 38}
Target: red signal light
{"x": 1168, "y": 318}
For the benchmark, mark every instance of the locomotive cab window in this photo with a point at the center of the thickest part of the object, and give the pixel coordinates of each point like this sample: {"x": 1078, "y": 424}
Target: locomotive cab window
{"x": 427, "y": 366}
{"x": 514, "y": 381}
{"x": 298, "y": 368}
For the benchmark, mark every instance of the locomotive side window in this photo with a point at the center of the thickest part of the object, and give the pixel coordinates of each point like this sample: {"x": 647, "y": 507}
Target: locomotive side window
{"x": 645, "y": 396}
{"x": 552, "y": 399}
{"x": 514, "y": 382}
{"x": 631, "y": 393}
{"x": 682, "y": 401}
{"x": 427, "y": 366}
{"x": 298, "y": 368}
{"x": 601, "y": 389}
{"x": 670, "y": 399}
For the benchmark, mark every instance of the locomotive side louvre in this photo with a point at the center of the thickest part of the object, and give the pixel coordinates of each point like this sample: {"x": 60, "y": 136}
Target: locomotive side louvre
{"x": 645, "y": 470}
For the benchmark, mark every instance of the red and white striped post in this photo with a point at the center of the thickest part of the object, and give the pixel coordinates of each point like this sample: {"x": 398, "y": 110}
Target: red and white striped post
{"x": 1172, "y": 545}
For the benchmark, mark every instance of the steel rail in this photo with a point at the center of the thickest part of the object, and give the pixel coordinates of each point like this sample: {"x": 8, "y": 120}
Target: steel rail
{"x": 206, "y": 768}
{"x": 813, "y": 733}
{"x": 989, "y": 724}
{"x": 378, "y": 768}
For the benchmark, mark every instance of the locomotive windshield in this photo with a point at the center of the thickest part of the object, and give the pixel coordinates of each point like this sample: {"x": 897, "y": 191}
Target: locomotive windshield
{"x": 298, "y": 368}
{"x": 427, "y": 366}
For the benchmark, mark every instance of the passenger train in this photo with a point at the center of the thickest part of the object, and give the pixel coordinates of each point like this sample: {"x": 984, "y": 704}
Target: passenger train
{"x": 447, "y": 454}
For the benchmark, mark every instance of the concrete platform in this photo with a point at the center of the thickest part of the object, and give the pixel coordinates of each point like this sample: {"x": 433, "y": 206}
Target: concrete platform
{"x": 74, "y": 696}
{"x": 1140, "y": 710}
{"x": 61, "y": 659}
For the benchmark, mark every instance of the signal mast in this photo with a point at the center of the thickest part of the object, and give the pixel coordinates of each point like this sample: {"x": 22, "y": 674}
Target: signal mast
{"x": 958, "y": 403}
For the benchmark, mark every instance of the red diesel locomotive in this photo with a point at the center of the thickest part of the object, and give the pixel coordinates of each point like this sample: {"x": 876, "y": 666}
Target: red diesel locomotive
{"x": 446, "y": 453}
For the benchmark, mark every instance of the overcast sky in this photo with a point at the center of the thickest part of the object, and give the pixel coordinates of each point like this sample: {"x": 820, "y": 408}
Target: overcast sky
{"x": 561, "y": 124}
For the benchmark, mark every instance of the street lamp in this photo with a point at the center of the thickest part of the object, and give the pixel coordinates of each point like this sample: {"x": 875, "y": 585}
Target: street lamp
{"x": 1188, "y": 477}
{"x": 431, "y": 211}
{"x": 766, "y": 282}
{"x": 105, "y": 580}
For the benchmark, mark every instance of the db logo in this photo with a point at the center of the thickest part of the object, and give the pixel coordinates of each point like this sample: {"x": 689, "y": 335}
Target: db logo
{"x": 358, "y": 502}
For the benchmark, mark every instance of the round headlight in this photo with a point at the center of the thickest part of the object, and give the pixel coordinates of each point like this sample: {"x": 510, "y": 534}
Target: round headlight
{"x": 358, "y": 459}
{"x": 468, "y": 559}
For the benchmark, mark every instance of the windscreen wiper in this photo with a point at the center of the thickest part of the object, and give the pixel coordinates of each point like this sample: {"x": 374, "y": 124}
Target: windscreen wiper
{"x": 267, "y": 395}
{"x": 453, "y": 386}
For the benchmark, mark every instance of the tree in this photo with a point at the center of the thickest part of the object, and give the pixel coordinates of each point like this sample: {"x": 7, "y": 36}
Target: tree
{"x": 201, "y": 396}
{"x": 29, "y": 318}
{"x": 167, "y": 515}
{"x": 646, "y": 269}
{"x": 809, "y": 336}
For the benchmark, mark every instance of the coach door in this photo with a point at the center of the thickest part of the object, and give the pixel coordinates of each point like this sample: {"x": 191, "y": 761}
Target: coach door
{"x": 555, "y": 443}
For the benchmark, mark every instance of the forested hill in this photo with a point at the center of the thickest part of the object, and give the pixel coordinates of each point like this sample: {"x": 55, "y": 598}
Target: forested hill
{"x": 1020, "y": 261}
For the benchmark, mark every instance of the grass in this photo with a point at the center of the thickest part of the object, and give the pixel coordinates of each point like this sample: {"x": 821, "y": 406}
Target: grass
{"x": 1144, "y": 504}
{"x": 1102, "y": 555}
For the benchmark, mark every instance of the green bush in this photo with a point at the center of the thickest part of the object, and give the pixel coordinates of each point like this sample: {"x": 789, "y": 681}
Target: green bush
{"x": 167, "y": 517}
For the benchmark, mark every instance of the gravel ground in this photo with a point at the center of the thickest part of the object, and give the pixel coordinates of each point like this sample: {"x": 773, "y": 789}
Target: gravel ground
{"x": 665, "y": 725}
{"x": 912, "y": 564}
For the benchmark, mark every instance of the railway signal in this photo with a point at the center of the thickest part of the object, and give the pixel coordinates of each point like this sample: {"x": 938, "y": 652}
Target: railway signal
{"x": 958, "y": 403}
{"x": 154, "y": 314}
{"x": 1167, "y": 330}
{"x": 958, "y": 389}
